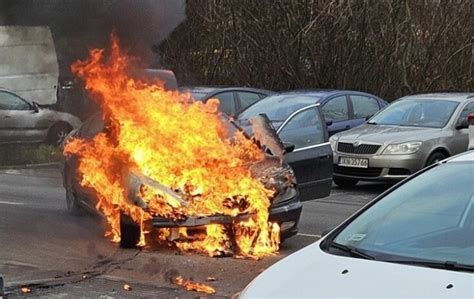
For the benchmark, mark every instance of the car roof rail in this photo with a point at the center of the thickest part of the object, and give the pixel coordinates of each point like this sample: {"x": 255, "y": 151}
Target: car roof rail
{"x": 439, "y": 91}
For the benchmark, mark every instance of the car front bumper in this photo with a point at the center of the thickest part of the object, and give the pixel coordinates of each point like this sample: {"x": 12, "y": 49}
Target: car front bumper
{"x": 381, "y": 167}
{"x": 286, "y": 214}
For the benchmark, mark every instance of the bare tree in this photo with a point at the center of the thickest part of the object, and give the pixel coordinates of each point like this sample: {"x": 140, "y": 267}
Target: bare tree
{"x": 387, "y": 47}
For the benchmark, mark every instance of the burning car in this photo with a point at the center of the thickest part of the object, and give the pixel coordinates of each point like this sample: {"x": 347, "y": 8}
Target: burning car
{"x": 272, "y": 171}
{"x": 156, "y": 161}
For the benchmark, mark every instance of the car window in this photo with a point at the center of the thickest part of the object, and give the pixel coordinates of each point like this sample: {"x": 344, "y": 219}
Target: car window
{"x": 9, "y": 101}
{"x": 435, "y": 212}
{"x": 303, "y": 129}
{"x": 336, "y": 109}
{"x": 198, "y": 96}
{"x": 278, "y": 107}
{"x": 469, "y": 108}
{"x": 247, "y": 98}
{"x": 364, "y": 106}
{"x": 227, "y": 104}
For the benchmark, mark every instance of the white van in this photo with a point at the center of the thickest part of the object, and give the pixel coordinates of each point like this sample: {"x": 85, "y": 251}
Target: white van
{"x": 28, "y": 63}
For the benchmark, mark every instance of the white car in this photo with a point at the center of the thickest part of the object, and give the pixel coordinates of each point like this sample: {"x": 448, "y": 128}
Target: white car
{"x": 470, "y": 120}
{"x": 414, "y": 240}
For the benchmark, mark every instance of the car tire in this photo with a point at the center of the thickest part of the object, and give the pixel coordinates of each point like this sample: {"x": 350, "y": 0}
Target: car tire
{"x": 129, "y": 232}
{"x": 57, "y": 133}
{"x": 71, "y": 199}
{"x": 345, "y": 183}
{"x": 434, "y": 158}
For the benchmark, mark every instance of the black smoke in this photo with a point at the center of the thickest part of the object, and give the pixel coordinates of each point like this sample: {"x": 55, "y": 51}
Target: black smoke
{"x": 78, "y": 26}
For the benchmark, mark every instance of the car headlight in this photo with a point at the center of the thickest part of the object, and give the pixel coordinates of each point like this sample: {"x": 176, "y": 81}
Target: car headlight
{"x": 402, "y": 148}
{"x": 333, "y": 143}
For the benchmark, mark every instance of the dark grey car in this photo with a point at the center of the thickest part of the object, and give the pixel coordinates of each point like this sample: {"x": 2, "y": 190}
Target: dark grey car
{"x": 411, "y": 133}
{"x": 232, "y": 99}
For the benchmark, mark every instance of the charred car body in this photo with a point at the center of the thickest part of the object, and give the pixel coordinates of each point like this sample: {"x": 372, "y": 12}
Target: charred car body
{"x": 272, "y": 171}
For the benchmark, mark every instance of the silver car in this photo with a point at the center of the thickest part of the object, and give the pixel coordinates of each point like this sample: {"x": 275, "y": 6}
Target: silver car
{"x": 411, "y": 133}
{"x": 25, "y": 122}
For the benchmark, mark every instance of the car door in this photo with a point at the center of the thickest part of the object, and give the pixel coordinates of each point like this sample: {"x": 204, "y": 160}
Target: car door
{"x": 363, "y": 107}
{"x": 247, "y": 98}
{"x": 227, "y": 102}
{"x": 336, "y": 111}
{"x": 311, "y": 158}
{"x": 17, "y": 122}
{"x": 460, "y": 138}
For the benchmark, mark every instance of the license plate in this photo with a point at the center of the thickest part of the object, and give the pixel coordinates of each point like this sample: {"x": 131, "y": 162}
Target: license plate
{"x": 354, "y": 162}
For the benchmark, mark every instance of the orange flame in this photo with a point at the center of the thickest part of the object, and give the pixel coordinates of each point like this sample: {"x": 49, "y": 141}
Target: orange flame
{"x": 194, "y": 286}
{"x": 179, "y": 143}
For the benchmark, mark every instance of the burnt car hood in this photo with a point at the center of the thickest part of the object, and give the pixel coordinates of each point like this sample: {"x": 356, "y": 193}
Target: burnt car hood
{"x": 387, "y": 134}
{"x": 262, "y": 129}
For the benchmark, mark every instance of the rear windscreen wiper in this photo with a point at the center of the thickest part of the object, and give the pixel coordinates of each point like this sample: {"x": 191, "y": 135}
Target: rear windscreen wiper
{"x": 352, "y": 250}
{"x": 448, "y": 265}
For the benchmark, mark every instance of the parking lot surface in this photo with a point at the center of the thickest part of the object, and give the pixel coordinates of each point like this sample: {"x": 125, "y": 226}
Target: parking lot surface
{"x": 54, "y": 254}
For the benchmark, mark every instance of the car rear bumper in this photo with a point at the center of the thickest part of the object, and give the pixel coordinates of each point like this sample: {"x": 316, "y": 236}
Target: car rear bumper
{"x": 286, "y": 214}
{"x": 381, "y": 167}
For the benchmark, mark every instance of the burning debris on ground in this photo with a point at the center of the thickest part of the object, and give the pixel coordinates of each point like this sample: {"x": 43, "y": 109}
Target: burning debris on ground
{"x": 127, "y": 287}
{"x": 194, "y": 286}
{"x": 163, "y": 161}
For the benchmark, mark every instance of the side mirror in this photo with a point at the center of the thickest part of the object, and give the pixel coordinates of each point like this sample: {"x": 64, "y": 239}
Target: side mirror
{"x": 466, "y": 122}
{"x": 470, "y": 119}
{"x": 289, "y": 147}
{"x": 328, "y": 123}
{"x": 35, "y": 107}
{"x": 67, "y": 84}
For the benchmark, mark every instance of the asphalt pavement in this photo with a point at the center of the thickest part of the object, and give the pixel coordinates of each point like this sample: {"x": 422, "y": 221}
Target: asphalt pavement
{"x": 50, "y": 253}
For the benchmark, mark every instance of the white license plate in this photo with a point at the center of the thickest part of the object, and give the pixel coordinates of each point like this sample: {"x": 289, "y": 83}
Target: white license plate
{"x": 354, "y": 162}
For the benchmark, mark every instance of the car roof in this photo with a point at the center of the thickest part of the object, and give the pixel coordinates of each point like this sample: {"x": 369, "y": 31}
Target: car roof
{"x": 452, "y": 96}
{"x": 213, "y": 89}
{"x": 463, "y": 157}
{"x": 322, "y": 93}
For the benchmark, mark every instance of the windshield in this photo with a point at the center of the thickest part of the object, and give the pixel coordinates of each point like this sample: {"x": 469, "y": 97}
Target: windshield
{"x": 416, "y": 113}
{"x": 428, "y": 218}
{"x": 278, "y": 107}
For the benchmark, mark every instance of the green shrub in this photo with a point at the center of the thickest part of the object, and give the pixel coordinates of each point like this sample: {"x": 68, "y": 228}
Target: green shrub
{"x": 20, "y": 154}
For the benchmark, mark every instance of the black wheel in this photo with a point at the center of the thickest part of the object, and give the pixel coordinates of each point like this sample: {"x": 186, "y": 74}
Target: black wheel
{"x": 129, "y": 232}
{"x": 345, "y": 183}
{"x": 434, "y": 158}
{"x": 71, "y": 198}
{"x": 58, "y": 133}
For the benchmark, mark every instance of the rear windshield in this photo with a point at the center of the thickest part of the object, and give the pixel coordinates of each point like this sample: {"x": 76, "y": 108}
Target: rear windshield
{"x": 198, "y": 96}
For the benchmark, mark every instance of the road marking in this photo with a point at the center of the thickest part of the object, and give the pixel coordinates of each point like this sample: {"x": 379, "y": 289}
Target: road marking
{"x": 309, "y": 235}
{"x": 11, "y": 203}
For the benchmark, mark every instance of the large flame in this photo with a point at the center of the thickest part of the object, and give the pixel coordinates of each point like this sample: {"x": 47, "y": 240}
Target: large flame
{"x": 179, "y": 143}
